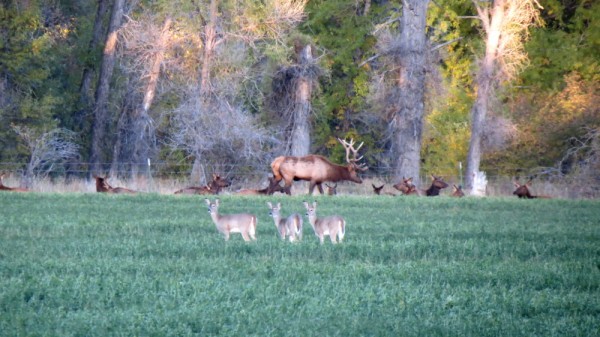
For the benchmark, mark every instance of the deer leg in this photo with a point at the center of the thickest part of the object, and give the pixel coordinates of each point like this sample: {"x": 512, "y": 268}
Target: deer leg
{"x": 245, "y": 236}
{"x": 320, "y": 187}
{"x": 333, "y": 237}
{"x": 226, "y": 236}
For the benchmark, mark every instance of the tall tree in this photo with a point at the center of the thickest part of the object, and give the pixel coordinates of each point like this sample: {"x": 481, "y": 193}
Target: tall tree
{"x": 505, "y": 25}
{"x": 408, "y": 119}
{"x": 101, "y": 117}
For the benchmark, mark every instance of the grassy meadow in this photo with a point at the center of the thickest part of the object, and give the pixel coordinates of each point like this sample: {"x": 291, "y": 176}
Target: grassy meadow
{"x": 88, "y": 264}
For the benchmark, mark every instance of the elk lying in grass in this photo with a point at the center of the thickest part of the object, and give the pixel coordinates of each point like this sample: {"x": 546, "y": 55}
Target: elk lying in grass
{"x": 215, "y": 186}
{"x": 333, "y": 225}
{"x": 290, "y": 227}
{"x": 331, "y": 190}
{"x": 377, "y": 190}
{"x": 457, "y": 191}
{"x": 406, "y": 187}
{"x": 522, "y": 191}
{"x": 318, "y": 169}
{"x": 243, "y": 223}
{"x": 10, "y": 189}
{"x": 269, "y": 190}
{"x": 437, "y": 184}
{"x": 103, "y": 186}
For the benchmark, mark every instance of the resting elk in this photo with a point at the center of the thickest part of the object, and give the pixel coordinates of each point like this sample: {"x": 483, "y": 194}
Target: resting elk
{"x": 331, "y": 190}
{"x": 243, "y": 223}
{"x": 407, "y": 187}
{"x": 333, "y": 225}
{"x": 103, "y": 186}
{"x": 437, "y": 184}
{"x": 317, "y": 169}
{"x": 457, "y": 191}
{"x": 290, "y": 227}
{"x": 522, "y": 191}
{"x": 377, "y": 190}
{"x": 215, "y": 187}
{"x": 10, "y": 189}
{"x": 269, "y": 190}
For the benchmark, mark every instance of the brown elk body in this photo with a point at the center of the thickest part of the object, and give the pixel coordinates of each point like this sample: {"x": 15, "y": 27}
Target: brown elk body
{"x": 317, "y": 169}
{"x": 215, "y": 187}
{"x": 243, "y": 223}
{"x": 407, "y": 187}
{"x": 269, "y": 190}
{"x": 10, "y": 189}
{"x": 457, "y": 191}
{"x": 290, "y": 227}
{"x": 522, "y": 191}
{"x": 333, "y": 225}
{"x": 103, "y": 186}
{"x": 437, "y": 184}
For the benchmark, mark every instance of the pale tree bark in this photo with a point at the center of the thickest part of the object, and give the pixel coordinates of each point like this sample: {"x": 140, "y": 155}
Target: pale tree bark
{"x": 143, "y": 124}
{"x": 505, "y": 25}
{"x": 101, "y": 118}
{"x": 300, "y": 140}
{"x": 408, "y": 120}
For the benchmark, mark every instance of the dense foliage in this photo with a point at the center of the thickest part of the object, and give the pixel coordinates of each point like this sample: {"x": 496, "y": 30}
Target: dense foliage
{"x": 45, "y": 48}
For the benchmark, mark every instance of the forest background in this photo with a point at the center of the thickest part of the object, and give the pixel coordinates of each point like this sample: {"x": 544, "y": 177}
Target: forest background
{"x": 203, "y": 86}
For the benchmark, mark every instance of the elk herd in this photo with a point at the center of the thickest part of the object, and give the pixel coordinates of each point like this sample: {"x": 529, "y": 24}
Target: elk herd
{"x": 316, "y": 170}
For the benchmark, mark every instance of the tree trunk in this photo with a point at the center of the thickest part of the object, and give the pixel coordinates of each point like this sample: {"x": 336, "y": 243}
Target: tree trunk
{"x": 492, "y": 25}
{"x": 210, "y": 42}
{"x": 408, "y": 121}
{"x": 88, "y": 70}
{"x": 101, "y": 118}
{"x": 300, "y": 139}
{"x": 143, "y": 124}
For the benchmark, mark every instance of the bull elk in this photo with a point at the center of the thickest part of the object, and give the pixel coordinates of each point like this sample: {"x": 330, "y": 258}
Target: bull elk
{"x": 317, "y": 169}
{"x": 269, "y": 190}
{"x": 437, "y": 184}
{"x": 215, "y": 187}
{"x": 243, "y": 223}
{"x": 406, "y": 187}
{"x": 457, "y": 191}
{"x": 522, "y": 191}
{"x": 290, "y": 227}
{"x": 10, "y": 189}
{"x": 103, "y": 186}
{"x": 333, "y": 225}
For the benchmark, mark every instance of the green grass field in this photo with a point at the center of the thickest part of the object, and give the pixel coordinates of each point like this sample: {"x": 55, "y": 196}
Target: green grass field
{"x": 155, "y": 265}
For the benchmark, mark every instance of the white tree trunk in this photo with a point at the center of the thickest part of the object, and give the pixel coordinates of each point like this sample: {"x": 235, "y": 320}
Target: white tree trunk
{"x": 300, "y": 142}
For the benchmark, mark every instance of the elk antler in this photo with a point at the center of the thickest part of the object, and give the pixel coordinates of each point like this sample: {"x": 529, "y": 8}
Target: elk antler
{"x": 349, "y": 146}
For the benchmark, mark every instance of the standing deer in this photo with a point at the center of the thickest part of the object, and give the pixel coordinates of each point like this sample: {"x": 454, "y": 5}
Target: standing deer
{"x": 407, "y": 187}
{"x": 331, "y": 190}
{"x": 10, "y": 189}
{"x": 103, "y": 186}
{"x": 436, "y": 185}
{"x": 269, "y": 190}
{"x": 457, "y": 191}
{"x": 333, "y": 225}
{"x": 216, "y": 185}
{"x": 522, "y": 191}
{"x": 287, "y": 227}
{"x": 243, "y": 223}
{"x": 317, "y": 169}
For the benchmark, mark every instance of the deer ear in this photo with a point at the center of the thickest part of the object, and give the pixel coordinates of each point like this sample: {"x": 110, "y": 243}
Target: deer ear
{"x": 315, "y": 204}
{"x": 269, "y": 204}
{"x": 517, "y": 185}
{"x": 207, "y": 202}
{"x": 305, "y": 204}
{"x": 529, "y": 183}
{"x": 217, "y": 202}
{"x": 278, "y": 205}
